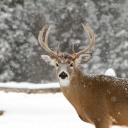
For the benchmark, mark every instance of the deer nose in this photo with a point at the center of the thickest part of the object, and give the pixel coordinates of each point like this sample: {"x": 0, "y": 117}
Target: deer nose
{"x": 63, "y": 75}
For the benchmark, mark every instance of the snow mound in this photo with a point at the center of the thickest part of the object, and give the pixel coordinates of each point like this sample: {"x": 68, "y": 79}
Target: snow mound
{"x": 110, "y": 72}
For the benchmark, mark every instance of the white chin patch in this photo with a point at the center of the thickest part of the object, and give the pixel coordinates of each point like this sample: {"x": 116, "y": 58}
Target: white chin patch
{"x": 64, "y": 82}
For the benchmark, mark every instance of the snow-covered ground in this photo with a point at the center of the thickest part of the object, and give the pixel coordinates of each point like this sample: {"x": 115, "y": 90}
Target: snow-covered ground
{"x": 38, "y": 110}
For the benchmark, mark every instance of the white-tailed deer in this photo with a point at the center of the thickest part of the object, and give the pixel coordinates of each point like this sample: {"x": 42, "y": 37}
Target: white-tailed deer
{"x": 98, "y": 99}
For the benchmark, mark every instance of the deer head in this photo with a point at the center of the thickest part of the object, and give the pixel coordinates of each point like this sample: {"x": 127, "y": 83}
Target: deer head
{"x": 65, "y": 64}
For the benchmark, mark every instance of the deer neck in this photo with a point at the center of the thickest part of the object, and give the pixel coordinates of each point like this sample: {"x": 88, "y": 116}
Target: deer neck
{"x": 75, "y": 90}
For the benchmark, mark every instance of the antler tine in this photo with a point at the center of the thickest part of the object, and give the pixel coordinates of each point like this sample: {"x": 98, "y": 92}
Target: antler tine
{"x": 46, "y": 36}
{"x": 92, "y": 34}
{"x": 73, "y": 50}
{"x": 58, "y": 48}
{"x": 91, "y": 39}
{"x": 44, "y": 44}
{"x": 40, "y": 36}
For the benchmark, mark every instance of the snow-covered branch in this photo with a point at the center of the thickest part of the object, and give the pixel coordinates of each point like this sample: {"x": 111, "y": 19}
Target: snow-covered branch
{"x": 29, "y": 88}
{"x": 29, "y": 91}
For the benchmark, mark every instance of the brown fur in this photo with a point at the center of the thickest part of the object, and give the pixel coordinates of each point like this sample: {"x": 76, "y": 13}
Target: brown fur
{"x": 100, "y": 100}
{"x": 66, "y": 57}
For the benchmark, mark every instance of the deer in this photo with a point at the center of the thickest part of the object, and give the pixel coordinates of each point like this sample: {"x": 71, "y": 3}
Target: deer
{"x": 100, "y": 100}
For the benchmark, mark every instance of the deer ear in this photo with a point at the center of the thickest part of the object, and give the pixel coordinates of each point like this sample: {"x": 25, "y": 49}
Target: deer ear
{"x": 48, "y": 59}
{"x": 84, "y": 58}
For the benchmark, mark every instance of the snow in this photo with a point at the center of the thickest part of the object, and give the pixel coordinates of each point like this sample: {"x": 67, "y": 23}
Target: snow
{"x": 120, "y": 33}
{"x": 110, "y": 72}
{"x": 37, "y": 110}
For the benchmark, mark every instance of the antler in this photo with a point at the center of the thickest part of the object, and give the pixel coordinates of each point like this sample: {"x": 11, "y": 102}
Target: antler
{"x": 91, "y": 39}
{"x": 44, "y": 43}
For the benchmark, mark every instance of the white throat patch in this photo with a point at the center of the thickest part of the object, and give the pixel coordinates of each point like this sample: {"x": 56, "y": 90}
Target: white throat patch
{"x": 64, "y": 82}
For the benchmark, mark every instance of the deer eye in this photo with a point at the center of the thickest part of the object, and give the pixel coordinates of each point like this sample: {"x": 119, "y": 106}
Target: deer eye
{"x": 57, "y": 64}
{"x": 71, "y": 65}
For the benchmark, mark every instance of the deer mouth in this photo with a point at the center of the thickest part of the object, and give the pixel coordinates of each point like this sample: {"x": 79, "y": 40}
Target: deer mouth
{"x": 63, "y": 75}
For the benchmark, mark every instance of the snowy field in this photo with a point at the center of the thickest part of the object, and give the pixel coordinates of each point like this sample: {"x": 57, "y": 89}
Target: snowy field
{"x": 37, "y": 110}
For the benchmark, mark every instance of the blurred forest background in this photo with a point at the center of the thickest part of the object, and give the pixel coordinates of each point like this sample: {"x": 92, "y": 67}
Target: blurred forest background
{"x": 21, "y": 20}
